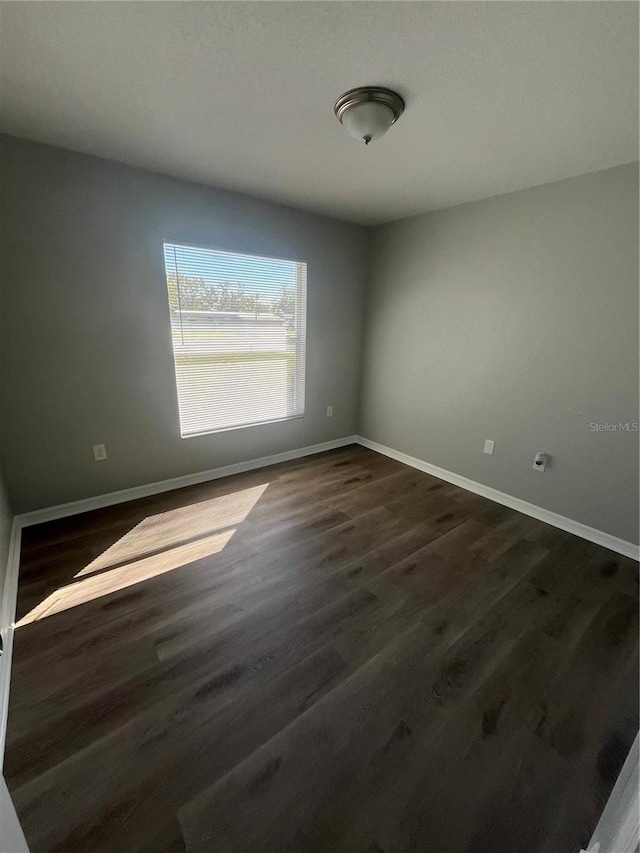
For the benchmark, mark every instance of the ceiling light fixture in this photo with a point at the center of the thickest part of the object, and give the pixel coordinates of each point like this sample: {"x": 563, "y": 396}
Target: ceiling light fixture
{"x": 368, "y": 112}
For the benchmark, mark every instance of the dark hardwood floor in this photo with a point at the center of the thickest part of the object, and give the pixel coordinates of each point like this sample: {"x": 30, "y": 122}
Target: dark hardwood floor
{"x": 333, "y": 654}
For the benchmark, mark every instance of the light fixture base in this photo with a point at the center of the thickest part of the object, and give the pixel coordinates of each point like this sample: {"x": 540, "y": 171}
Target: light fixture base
{"x": 368, "y": 94}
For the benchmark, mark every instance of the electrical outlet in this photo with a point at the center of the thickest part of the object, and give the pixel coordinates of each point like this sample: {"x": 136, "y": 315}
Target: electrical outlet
{"x": 329, "y": 411}
{"x": 99, "y": 452}
{"x": 489, "y": 446}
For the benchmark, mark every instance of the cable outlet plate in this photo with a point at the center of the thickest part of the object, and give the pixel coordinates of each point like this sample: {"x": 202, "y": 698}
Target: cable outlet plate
{"x": 540, "y": 462}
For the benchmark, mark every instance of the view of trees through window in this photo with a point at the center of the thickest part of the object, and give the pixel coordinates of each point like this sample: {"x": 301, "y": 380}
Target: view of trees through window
{"x": 196, "y": 294}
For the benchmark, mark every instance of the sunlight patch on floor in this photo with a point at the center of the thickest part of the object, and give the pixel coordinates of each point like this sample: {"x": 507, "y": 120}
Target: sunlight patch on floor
{"x": 159, "y": 544}
{"x": 158, "y": 532}
{"x": 131, "y": 573}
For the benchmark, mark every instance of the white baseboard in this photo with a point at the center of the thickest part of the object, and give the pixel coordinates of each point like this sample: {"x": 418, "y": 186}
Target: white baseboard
{"x": 100, "y": 501}
{"x": 8, "y": 615}
{"x": 618, "y": 829}
{"x": 613, "y": 543}
{"x": 11, "y": 835}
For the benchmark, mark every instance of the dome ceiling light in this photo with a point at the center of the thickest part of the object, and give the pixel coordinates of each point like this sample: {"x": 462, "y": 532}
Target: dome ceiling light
{"x": 368, "y": 112}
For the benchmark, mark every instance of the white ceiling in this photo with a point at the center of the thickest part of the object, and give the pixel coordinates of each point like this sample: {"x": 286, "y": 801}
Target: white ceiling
{"x": 500, "y": 96}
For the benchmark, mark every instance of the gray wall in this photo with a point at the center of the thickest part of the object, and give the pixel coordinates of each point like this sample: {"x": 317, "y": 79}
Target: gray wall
{"x": 87, "y": 347}
{"x": 6, "y": 519}
{"x": 515, "y": 319}
{"x": 6, "y": 617}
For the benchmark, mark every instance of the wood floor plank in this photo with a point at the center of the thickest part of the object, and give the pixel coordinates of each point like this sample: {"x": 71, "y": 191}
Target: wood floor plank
{"x": 370, "y": 705}
{"x": 334, "y": 653}
{"x": 462, "y": 759}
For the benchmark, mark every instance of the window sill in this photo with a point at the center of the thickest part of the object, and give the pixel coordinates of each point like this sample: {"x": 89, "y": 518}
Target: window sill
{"x": 241, "y": 426}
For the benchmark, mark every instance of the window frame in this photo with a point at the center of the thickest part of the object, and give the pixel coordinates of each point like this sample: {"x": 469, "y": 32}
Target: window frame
{"x": 301, "y": 340}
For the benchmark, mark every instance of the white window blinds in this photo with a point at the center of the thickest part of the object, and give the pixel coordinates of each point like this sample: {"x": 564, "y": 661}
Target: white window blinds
{"x": 238, "y": 327}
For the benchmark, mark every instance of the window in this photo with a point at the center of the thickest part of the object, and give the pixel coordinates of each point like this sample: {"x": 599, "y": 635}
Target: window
{"x": 238, "y": 329}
